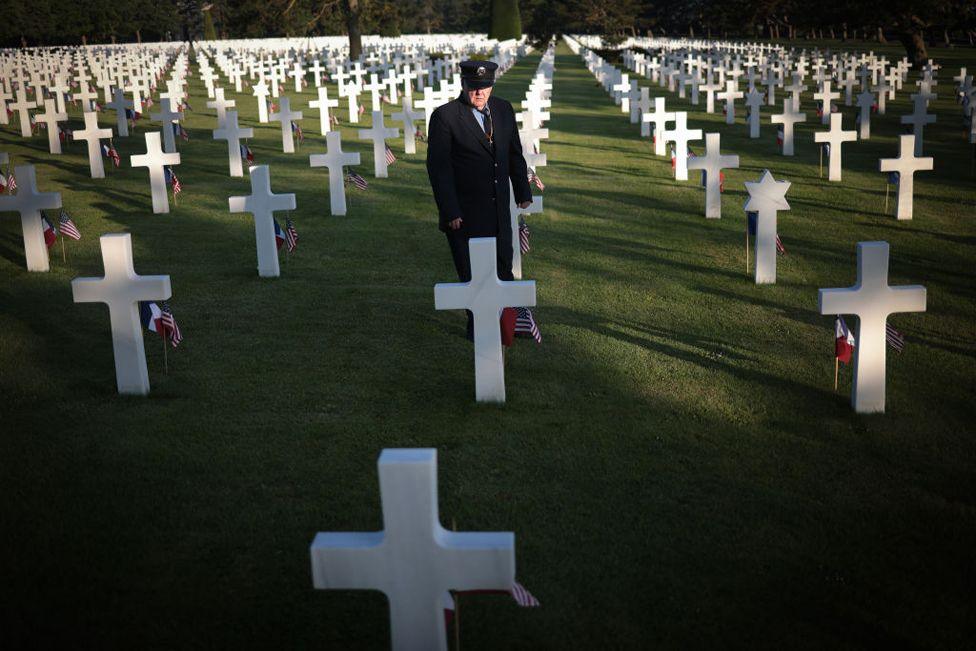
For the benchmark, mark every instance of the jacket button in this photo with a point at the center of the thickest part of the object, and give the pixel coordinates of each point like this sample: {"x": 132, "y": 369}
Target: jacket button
{"x": 496, "y": 180}
{"x": 496, "y": 164}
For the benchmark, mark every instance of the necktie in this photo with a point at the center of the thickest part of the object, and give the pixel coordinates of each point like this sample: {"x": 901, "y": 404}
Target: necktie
{"x": 489, "y": 129}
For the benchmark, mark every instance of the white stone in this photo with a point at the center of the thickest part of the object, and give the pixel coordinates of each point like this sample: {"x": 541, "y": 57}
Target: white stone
{"x": 121, "y": 289}
{"x": 262, "y": 203}
{"x": 323, "y": 104}
{"x": 872, "y": 300}
{"x": 659, "y": 117}
{"x": 729, "y": 95}
{"x": 767, "y": 197}
{"x": 788, "y": 118}
{"x": 168, "y": 117}
{"x": 378, "y": 133}
{"x": 414, "y": 561}
{"x": 754, "y": 100}
{"x": 712, "y": 164}
{"x": 230, "y": 132}
{"x": 29, "y": 203}
{"x": 156, "y": 160}
{"x": 485, "y": 295}
{"x": 93, "y": 136}
{"x": 50, "y": 117}
{"x": 918, "y": 119}
{"x": 906, "y": 164}
{"x": 836, "y": 138}
{"x": 221, "y": 105}
{"x": 513, "y": 209}
{"x": 407, "y": 117}
{"x": 120, "y": 104}
{"x": 286, "y": 116}
{"x": 335, "y": 159}
{"x": 680, "y": 136}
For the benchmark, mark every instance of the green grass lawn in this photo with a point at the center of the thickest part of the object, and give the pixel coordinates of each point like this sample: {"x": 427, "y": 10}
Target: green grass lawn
{"x": 673, "y": 460}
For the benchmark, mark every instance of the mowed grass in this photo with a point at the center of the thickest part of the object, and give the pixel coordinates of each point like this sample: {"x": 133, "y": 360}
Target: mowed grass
{"x": 673, "y": 460}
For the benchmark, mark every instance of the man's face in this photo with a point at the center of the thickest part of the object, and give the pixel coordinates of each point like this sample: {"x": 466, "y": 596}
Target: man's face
{"x": 479, "y": 97}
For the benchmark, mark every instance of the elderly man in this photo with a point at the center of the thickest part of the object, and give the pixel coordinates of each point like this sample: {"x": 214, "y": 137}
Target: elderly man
{"x": 473, "y": 150}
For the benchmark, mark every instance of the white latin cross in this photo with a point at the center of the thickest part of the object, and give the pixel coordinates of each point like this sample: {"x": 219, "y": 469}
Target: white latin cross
{"x": 323, "y": 104}
{"x": 262, "y": 203}
{"x": 121, "y": 289}
{"x": 120, "y": 104}
{"x": 286, "y": 116}
{"x": 872, "y": 300}
{"x": 788, "y": 118}
{"x": 378, "y": 133}
{"x": 407, "y": 117}
{"x": 485, "y": 296}
{"x": 906, "y": 164}
{"x": 156, "y": 160}
{"x": 754, "y": 100}
{"x": 712, "y": 164}
{"x": 335, "y": 160}
{"x": 918, "y": 119}
{"x": 232, "y": 133}
{"x": 513, "y": 209}
{"x": 865, "y": 100}
{"x": 730, "y": 94}
{"x": 29, "y": 203}
{"x": 221, "y": 105}
{"x": 168, "y": 117}
{"x": 659, "y": 118}
{"x": 414, "y": 561}
{"x": 92, "y": 135}
{"x": 835, "y": 138}
{"x": 680, "y": 136}
{"x": 51, "y": 117}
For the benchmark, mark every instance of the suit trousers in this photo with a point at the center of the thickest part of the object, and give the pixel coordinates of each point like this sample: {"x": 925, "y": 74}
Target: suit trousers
{"x": 461, "y": 255}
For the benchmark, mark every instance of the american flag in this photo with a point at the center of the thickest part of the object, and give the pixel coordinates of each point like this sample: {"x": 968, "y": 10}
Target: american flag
{"x": 894, "y": 338}
{"x": 334, "y": 120}
{"x": 356, "y": 180}
{"x": 11, "y": 181}
{"x": 173, "y": 181}
{"x": 297, "y": 130}
{"x": 183, "y": 133}
{"x": 518, "y": 592}
{"x": 525, "y": 324}
{"x": 523, "y": 597}
{"x": 169, "y": 325}
{"x": 291, "y": 236}
{"x": 534, "y": 179}
{"x": 186, "y": 106}
{"x": 779, "y": 137}
{"x": 523, "y": 236}
{"x": 68, "y": 227}
{"x": 419, "y": 135}
{"x": 779, "y": 246}
{"x": 390, "y": 158}
{"x": 893, "y": 178}
{"x": 109, "y": 152}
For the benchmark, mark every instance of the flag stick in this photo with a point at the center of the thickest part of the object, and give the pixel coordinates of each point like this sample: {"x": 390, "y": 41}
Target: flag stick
{"x": 457, "y": 609}
{"x": 747, "y": 250}
{"x": 821, "y": 162}
{"x": 162, "y": 336}
{"x": 836, "y": 370}
{"x": 887, "y": 186}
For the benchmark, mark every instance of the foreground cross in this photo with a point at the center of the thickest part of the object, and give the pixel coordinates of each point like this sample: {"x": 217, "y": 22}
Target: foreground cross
{"x": 485, "y": 295}
{"x": 121, "y": 289}
{"x": 872, "y": 300}
{"x": 712, "y": 164}
{"x": 378, "y": 133}
{"x": 156, "y": 160}
{"x": 680, "y": 136}
{"x": 414, "y": 561}
{"x": 906, "y": 165}
{"x": 836, "y": 138}
{"x": 660, "y": 118}
{"x": 788, "y": 118}
{"x": 229, "y": 130}
{"x": 29, "y": 203}
{"x": 335, "y": 160}
{"x": 766, "y": 198}
{"x": 262, "y": 203}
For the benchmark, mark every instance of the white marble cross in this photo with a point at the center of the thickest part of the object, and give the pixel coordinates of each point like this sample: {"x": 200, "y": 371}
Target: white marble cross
{"x": 825, "y": 97}
{"x": 120, "y": 104}
{"x": 286, "y": 116}
{"x": 221, "y": 105}
{"x": 712, "y": 164}
{"x": 29, "y": 203}
{"x": 262, "y": 203}
{"x": 156, "y": 160}
{"x": 643, "y": 108}
{"x": 378, "y": 133}
{"x": 230, "y": 132}
{"x": 51, "y": 117}
{"x": 23, "y": 107}
{"x": 513, "y": 209}
{"x": 407, "y": 117}
{"x": 872, "y": 300}
{"x": 730, "y": 94}
{"x": 660, "y": 118}
{"x": 260, "y": 91}
{"x": 323, "y": 104}
{"x": 414, "y": 561}
{"x": 836, "y": 138}
{"x": 906, "y": 164}
{"x": 93, "y": 136}
{"x": 680, "y": 136}
{"x": 335, "y": 159}
{"x": 168, "y": 117}
{"x": 918, "y": 119}
{"x": 767, "y": 197}
{"x": 485, "y": 295}
{"x": 788, "y": 118}
{"x": 121, "y": 289}
{"x": 865, "y": 101}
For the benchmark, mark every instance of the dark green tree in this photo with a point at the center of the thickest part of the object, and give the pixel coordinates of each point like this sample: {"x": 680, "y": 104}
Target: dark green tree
{"x": 506, "y": 21}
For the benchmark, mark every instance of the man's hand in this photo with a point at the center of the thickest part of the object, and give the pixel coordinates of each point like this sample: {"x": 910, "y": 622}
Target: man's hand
{"x": 454, "y": 224}
{"x": 525, "y": 204}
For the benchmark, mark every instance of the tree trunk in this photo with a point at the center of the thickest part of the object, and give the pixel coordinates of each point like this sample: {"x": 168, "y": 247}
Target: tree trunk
{"x": 691, "y": 31}
{"x": 138, "y": 36}
{"x": 832, "y": 34}
{"x": 914, "y": 41}
{"x": 881, "y": 36}
{"x": 948, "y": 41}
{"x": 352, "y": 25}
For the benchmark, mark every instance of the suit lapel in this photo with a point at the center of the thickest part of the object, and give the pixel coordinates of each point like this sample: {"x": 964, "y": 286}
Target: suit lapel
{"x": 468, "y": 118}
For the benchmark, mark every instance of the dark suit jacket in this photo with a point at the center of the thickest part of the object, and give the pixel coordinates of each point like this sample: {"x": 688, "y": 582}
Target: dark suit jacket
{"x": 469, "y": 176}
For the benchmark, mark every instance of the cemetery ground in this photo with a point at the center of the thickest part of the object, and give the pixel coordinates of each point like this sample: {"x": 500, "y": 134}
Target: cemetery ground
{"x": 673, "y": 460}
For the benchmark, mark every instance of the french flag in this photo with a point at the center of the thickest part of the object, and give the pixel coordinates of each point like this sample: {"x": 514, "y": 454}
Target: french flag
{"x": 279, "y": 234}
{"x": 151, "y": 316}
{"x": 50, "y": 235}
{"x": 844, "y": 341}
{"x": 779, "y": 137}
